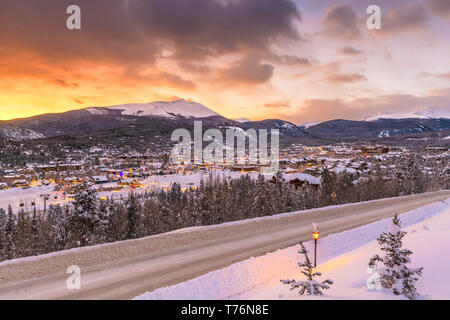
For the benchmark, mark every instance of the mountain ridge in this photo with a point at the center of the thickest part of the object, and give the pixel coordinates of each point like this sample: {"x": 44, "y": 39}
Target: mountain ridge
{"x": 163, "y": 117}
{"x": 429, "y": 113}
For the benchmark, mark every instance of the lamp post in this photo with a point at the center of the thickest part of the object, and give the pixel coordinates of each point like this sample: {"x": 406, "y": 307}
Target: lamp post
{"x": 316, "y": 235}
{"x": 333, "y": 198}
{"x": 33, "y": 203}
{"x": 46, "y": 197}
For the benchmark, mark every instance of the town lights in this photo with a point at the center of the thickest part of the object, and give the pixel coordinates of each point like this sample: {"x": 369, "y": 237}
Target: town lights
{"x": 316, "y": 235}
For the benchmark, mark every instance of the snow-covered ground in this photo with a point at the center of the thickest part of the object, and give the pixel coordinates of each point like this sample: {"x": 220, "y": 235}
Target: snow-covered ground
{"x": 342, "y": 257}
{"x": 15, "y": 196}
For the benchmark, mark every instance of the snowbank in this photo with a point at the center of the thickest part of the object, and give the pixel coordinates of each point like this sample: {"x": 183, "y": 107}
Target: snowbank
{"x": 259, "y": 277}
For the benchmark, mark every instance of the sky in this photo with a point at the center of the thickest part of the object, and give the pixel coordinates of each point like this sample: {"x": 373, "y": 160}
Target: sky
{"x": 296, "y": 60}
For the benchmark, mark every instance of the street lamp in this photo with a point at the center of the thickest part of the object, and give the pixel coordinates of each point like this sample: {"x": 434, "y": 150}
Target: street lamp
{"x": 46, "y": 197}
{"x": 316, "y": 235}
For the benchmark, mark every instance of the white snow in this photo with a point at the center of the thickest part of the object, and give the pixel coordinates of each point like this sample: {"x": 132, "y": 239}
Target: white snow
{"x": 242, "y": 120}
{"x": 302, "y": 177}
{"x": 97, "y": 111}
{"x": 165, "y": 109}
{"x": 308, "y": 124}
{"x": 15, "y": 196}
{"x": 287, "y": 125}
{"x": 430, "y": 113}
{"x": 384, "y": 134}
{"x": 16, "y": 133}
{"x": 342, "y": 257}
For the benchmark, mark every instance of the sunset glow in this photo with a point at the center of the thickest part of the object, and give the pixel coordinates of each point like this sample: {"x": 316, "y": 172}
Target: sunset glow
{"x": 295, "y": 60}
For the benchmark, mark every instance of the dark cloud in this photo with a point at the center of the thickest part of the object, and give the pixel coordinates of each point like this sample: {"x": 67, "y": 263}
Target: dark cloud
{"x": 440, "y": 7}
{"x": 290, "y": 60}
{"x": 411, "y": 18}
{"x": 247, "y": 70}
{"x": 340, "y": 22}
{"x": 193, "y": 67}
{"x": 140, "y": 30}
{"x": 350, "y": 51}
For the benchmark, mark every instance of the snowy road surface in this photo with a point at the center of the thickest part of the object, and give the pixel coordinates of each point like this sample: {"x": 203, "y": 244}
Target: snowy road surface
{"x": 126, "y": 269}
{"x": 342, "y": 257}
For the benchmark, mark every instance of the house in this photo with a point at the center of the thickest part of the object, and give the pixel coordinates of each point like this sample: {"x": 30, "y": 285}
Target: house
{"x": 100, "y": 179}
{"x": 20, "y": 184}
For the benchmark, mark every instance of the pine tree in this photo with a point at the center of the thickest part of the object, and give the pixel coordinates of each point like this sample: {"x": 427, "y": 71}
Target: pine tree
{"x": 394, "y": 273}
{"x": 84, "y": 217}
{"x": 35, "y": 226}
{"x": 309, "y": 286}
{"x": 9, "y": 250}
{"x": 327, "y": 187}
{"x": 59, "y": 225}
{"x": 102, "y": 232}
{"x": 3, "y": 220}
{"x": 416, "y": 176}
{"x": 262, "y": 204}
{"x": 132, "y": 216}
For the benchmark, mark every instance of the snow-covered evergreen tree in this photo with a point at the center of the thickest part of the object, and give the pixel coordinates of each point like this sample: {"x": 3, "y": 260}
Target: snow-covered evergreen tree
{"x": 327, "y": 187}
{"x": 132, "y": 216}
{"x": 103, "y": 234}
{"x": 262, "y": 204}
{"x": 394, "y": 272}
{"x": 9, "y": 249}
{"x": 310, "y": 286}
{"x": 58, "y": 228}
{"x": 3, "y": 219}
{"x": 84, "y": 218}
{"x": 35, "y": 227}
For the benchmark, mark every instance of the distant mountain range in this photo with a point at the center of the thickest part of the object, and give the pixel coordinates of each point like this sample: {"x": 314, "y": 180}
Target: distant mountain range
{"x": 161, "y": 118}
{"x": 385, "y": 125}
{"x": 430, "y": 113}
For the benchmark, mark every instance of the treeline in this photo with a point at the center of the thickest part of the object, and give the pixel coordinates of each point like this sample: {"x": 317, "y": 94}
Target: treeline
{"x": 89, "y": 220}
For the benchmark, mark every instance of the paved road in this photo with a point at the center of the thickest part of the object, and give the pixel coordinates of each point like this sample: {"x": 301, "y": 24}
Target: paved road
{"x": 126, "y": 269}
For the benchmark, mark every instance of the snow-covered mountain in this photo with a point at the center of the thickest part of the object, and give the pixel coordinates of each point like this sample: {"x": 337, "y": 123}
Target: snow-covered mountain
{"x": 241, "y": 120}
{"x": 161, "y": 109}
{"x": 308, "y": 124}
{"x": 16, "y": 133}
{"x": 430, "y": 113}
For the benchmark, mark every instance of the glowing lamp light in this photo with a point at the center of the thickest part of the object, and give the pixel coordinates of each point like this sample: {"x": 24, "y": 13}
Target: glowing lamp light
{"x": 316, "y": 235}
